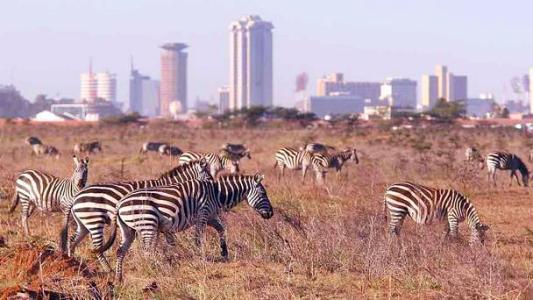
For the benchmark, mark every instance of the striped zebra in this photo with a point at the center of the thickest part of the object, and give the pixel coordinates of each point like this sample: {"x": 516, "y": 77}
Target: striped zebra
{"x": 506, "y": 161}
{"x": 96, "y": 205}
{"x": 292, "y": 159}
{"x": 35, "y": 189}
{"x": 425, "y": 205}
{"x": 322, "y": 162}
{"x": 175, "y": 208}
{"x": 217, "y": 162}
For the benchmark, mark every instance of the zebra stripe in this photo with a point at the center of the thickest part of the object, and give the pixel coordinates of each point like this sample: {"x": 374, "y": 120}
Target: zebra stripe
{"x": 425, "y": 205}
{"x": 96, "y": 205}
{"x": 292, "y": 159}
{"x": 217, "y": 162}
{"x": 48, "y": 193}
{"x": 175, "y": 208}
{"x": 506, "y": 161}
{"x": 322, "y": 162}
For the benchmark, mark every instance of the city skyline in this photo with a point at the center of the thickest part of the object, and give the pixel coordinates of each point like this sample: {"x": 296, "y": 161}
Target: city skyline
{"x": 347, "y": 40}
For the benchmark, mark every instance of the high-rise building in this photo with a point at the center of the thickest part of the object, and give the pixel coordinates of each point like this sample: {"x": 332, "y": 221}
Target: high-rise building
{"x": 223, "y": 99}
{"x": 88, "y": 86}
{"x": 460, "y": 88}
{"x": 442, "y": 81}
{"x": 399, "y": 92}
{"x": 531, "y": 90}
{"x": 334, "y": 83}
{"x": 106, "y": 86}
{"x": 144, "y": 94}
{"x": 429, "y": 91}
{"x": 173, "y": 87}
{"x": 250, "y": 63}
{"x": 449, "y": 86}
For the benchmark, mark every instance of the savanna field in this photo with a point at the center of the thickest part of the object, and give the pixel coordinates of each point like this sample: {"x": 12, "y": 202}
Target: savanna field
{"x": 323, "y": 242}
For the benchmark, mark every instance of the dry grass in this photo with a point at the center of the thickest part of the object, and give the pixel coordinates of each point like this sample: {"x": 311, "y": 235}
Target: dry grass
{"x": 318, "y": 245}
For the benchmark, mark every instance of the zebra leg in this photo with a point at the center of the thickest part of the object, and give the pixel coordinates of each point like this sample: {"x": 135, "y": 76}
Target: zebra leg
{"x": 24, "y": 213}
{"x": 76, "y": 238}
{"x": 63, "y": 236}
{"x": 513, "y": 174}
{"x": 97, "y": 237}
{"x": 304, "y": 172}
{"x": 452, "y": 225}
{"x": 200, "y": 229}
{"x": 170, "y": 237}
{"x": 216, "y": 223}
{"x": 128, "y": 236}
{"x": 396, "y": 221}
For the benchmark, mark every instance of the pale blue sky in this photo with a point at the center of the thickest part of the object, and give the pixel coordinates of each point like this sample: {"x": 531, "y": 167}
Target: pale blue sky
{"x": 44, "y": 45}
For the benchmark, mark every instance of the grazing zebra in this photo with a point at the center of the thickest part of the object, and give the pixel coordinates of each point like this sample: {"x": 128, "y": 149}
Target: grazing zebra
{"x": 33, "y": 141}
{"x": 170, "y": 151}
{"x": 91, "y": 147}
{"x": 322, "y": 162}
{"x": 425, "y": 205}
{"x": 48, "y": 193}
{"x": 175, "y": 208}
{"x": 96, "y": 205}
{"x": 506, "y": 161}
{"x": 217, "y": 162}
{"x": 151, "y": 147}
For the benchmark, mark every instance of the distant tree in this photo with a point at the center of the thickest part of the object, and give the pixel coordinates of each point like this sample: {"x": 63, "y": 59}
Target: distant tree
{"x": 448, "y": 110}
{"x": 12, "y": 104}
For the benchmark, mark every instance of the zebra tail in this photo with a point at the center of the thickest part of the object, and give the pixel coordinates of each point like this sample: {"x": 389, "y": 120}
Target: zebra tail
{"x": 111, "y": 239}
{"x": 14, "y": 202}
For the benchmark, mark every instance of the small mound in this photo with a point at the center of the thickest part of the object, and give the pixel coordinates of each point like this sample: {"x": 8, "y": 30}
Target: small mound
{"x": 38, "y": 267}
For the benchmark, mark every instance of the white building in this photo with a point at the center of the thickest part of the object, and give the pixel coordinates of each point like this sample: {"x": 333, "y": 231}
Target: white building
{"x": 250, "y": 63}
{"x": 144, "y": 94}
{"x": 334, "y": 83}
{"x": 399, "y": 92}
{"x": 88, "y": 86}
{"x": 223, "y": 99}
{"x": 429, "y": 91}
{"x": 106, "y": 84}
{"x": 173, "y": 85}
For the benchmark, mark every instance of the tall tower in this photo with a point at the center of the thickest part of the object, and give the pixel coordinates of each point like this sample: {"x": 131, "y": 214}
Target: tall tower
{"x": 442, "y": 81}
{"x": 173, "y": 86}
{"x": 88, "y": 85}
{"x": 250, "y": 81}
{"x": 429, "y": 91}
{"x": 106, "y": 86}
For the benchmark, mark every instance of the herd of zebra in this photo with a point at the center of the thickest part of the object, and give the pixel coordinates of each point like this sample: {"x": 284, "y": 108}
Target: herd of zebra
{"x": 194, "y": 194}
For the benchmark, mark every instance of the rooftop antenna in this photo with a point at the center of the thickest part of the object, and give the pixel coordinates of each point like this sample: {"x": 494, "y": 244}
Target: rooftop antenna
{"x": 131, "y": 63}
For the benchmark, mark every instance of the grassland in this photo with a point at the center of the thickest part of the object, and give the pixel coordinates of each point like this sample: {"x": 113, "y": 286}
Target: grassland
{"x": 320, "y": 244}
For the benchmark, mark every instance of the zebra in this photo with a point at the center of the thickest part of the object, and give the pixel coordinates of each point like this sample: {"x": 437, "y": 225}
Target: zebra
{"x": 169, "y": 151}
{"x": 322, "y": 162}
{"x": 217, "y": 162}
{"x": 506, "y": 161}
{"x": 38, "y": 148}
{"x": 292, "y": 159}
{"x": 317, "y": 148}
{"x": 91, "y": 147}
{"x": 425, "y": 205}
{"x": 49, "y": 193}
{"x": 151, "y": 147}
{"x": 175, "y": 208}
{"x": 32, "y": 140}
{"x": 95, "y": 206}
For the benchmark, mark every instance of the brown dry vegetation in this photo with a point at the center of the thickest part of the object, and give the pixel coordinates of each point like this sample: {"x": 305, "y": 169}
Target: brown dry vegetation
{"x": 318, "y": 244}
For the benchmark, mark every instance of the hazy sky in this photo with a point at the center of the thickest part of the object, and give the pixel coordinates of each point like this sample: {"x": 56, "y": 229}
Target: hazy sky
{"x": 44, "y": 45}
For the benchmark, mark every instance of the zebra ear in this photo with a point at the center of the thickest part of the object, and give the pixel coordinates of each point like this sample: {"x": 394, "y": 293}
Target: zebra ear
{"x": 259, "y": 177}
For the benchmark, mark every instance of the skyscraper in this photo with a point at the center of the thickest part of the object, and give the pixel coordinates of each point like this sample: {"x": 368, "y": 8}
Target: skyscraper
{"x": 399, "y": 92}
{"x": 460, "y": 88}
{"x": 144, "y": 94}
{"x": 442, "y": 81}
{"x": 173, "y": 77}
{"x": 429, "y": 91}
{"x": 250, "y": 63}
{"x": 106, "y": 84}
{"x": 88, "y": 87}
{"x": 223, "y": 99}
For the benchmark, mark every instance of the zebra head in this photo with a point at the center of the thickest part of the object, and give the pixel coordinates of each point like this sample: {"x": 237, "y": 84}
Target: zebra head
{"x": 257, "y": 197}
{"x": 81, "y": 172}
{"x": 479, "y": 233}
{"x": 202, "y": 169}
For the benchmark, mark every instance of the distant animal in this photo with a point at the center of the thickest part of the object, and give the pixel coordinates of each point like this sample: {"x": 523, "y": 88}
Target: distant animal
{"x": 506, "y": 161}
{"x": 238, "y": 150}
{"x": 91, "y": 147}
{"x": 322, "y": 162}
{"x": 152, "y": 147}
{"x": 217, "y": 162}
{"x": 96, "y": 205}
{"x": 49, "y": 193}
{"x": 38, "y": 148}
{"x": 425, "y": 205}
{"x": 169, "y": 151}
{"x": 175, "y": 208}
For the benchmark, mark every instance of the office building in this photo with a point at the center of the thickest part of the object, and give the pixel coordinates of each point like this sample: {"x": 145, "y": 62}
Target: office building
{"x": 399, "y": 92}
{"x": 449, "y": 86}
{"x": 106, "y": 86}
{"x": 251, "y": 63}
{"x": 334, "y": 83}
{"x": 334, "y": 105}
{"x": 429, "y": 91}
{"x": 144, "y": 94}
{"x": 173, "y": 85}
{"x": 223, "y": 99}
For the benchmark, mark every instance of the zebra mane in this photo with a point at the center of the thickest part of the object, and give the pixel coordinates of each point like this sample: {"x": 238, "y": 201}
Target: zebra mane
{"x": 177, "y": 170}
{"x": 471, "y": 216}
